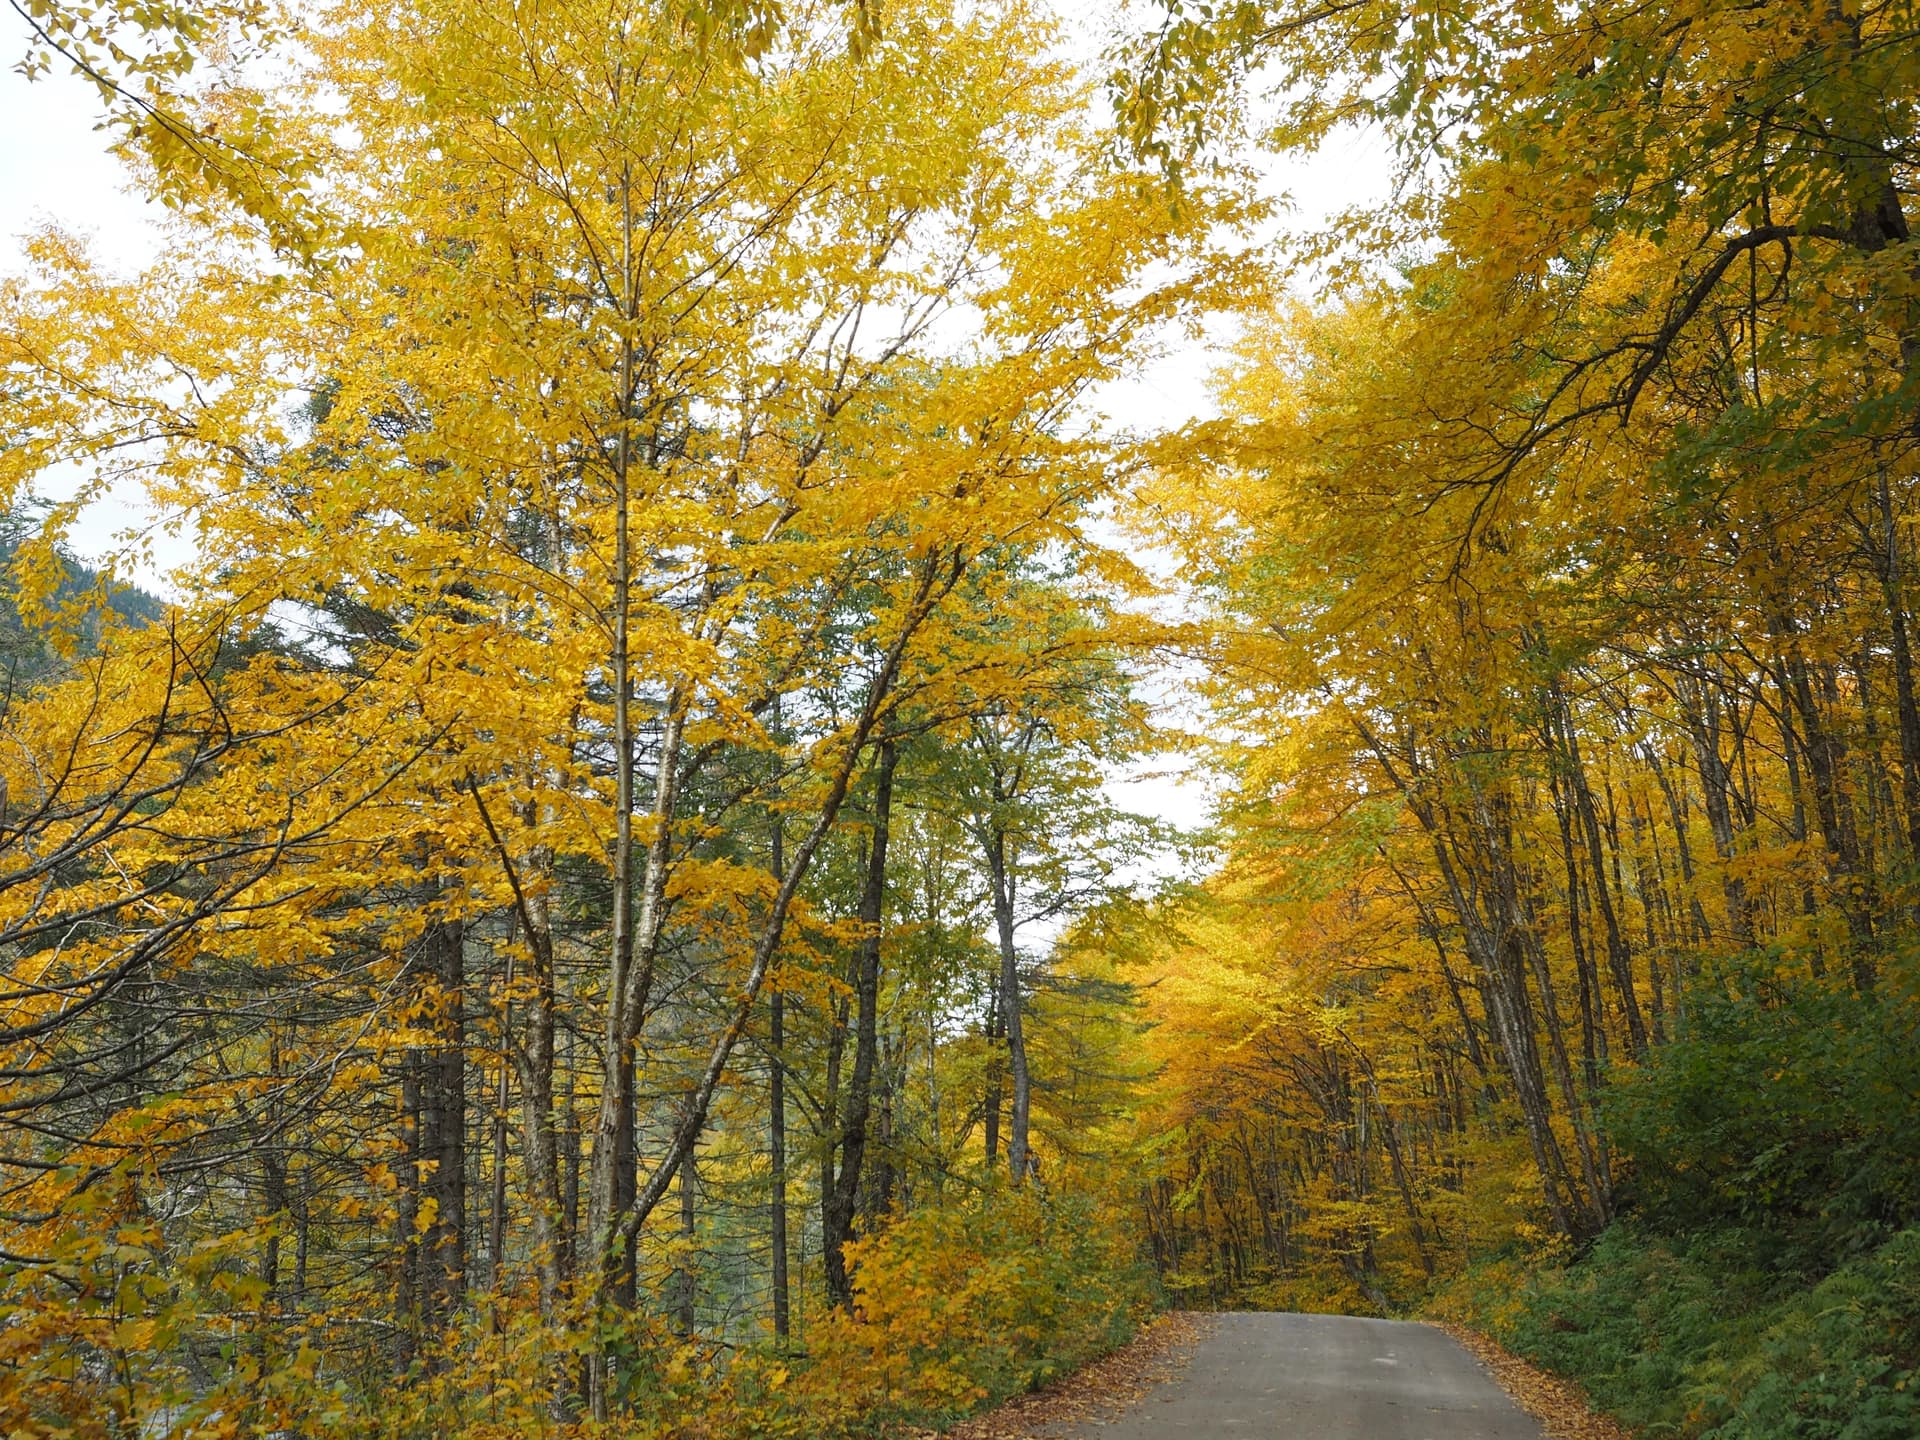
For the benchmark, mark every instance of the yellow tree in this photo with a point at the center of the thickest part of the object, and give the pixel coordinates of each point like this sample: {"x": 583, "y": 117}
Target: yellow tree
{"x": 649, "y": 383}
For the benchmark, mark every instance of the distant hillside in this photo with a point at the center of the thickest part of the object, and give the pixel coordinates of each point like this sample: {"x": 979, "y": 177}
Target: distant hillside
{"x": 25, "y": 654}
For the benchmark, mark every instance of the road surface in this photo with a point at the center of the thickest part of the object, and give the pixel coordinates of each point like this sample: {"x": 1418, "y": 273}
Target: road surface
{"x": 1320, "y": 1377}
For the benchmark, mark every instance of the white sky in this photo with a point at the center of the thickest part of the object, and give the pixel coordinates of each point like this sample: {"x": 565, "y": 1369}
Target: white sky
{"x": 54, "y": 168}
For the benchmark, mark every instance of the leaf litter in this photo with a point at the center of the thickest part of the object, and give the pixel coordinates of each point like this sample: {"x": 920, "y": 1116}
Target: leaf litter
{"x": 1561, "y": 1407}
{"x": 1098, "y": 1393}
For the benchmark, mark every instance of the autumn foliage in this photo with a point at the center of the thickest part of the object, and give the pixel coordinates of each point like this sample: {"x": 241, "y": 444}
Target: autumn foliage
{"x": 597, "y": 906}
{"x": 1560, "y": 555}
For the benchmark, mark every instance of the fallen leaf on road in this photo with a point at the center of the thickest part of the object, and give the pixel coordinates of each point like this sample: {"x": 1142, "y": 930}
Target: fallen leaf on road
{"x": 1559, "y": 1405}
{"x": 1099, "y": 1392}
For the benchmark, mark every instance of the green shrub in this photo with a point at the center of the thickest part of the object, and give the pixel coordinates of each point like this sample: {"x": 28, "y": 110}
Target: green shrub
{"x": 1787, "y": 1118}
{"x": 1684, "y": 1338}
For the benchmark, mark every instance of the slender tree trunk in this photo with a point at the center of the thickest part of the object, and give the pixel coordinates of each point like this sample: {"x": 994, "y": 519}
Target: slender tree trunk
{"x": 1595, "y": 1180}
{"x": 406, "y": 1248}
{"x": 1797, "y": 816}
{"x": 839, "y": 1018}
{"x": 1587, "y": 981}
{"x": 1703, "y": 724}
{"x": 882, "y": 1176}
{"x": 777, "y": 1131}
{"x": 995, "y": 1081}
{"x": 839, "y": 1207}
{"x": 1619, "y": 953}
{"x": 1469, "y": 1028}
{"x": 1877, "y": 789}
{"x": 277, "y": 1204}
{"x": 532, "y": 1061}
{"x": 540, "y": 1140}
{"x": 432, "y": 1213}
{"x": 687, "y": 1274}
{"x": 626, "y": 1273}
{"x": 443, "y": 1129}
{"x": 301, "y": 1199}
{"x": 1019, "y": 1155}
{"x": 1403, "y": 1182}
{"x": 497, "y": 1206}
{"x": 1825, "y": 754}
{"x": 1650, "y": 882}
{"x": 1893, "y": 588}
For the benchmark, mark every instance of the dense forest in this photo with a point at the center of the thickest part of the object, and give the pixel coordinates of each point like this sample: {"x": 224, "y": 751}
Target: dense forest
{"x": 598, "y": 903}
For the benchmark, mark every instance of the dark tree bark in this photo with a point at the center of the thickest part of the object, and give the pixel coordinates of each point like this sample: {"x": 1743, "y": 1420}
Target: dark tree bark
{"x": 839, "y": 1203}
{"x": 777, "y": 1154}
{"x": 433, "y": 1211}
{"x": 1893, "y": 580}
{"x": 443, "y": 1128}
{"x": 1019, "y": 1118}
{"x": 687, "y": 1276}
{"x": 1619, "y": 953}
{"x": 777, "y": 1131}
{"x": 995, "y": 1081}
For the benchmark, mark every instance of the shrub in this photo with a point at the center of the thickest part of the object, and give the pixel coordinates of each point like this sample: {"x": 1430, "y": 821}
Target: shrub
{"x": 963, "y": 1304}
{"x": 1787, "y": 1115}
{"x": 1677, "y": 1339}
{"x": 956, "y": 1305}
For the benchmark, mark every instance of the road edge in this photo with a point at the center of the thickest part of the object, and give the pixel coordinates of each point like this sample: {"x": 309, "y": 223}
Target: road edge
{"x": 1561, "y": 1406}
{"x": 1100, "y": 1389}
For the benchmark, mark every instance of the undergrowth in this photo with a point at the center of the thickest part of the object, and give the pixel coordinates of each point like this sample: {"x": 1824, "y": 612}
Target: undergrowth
{"x": 1680, "y": 1339}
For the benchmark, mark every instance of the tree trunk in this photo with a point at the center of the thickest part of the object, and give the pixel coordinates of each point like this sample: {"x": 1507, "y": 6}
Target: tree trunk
{"x": 994, "y": 1079}
{"x": 1826, "y": 757}
{"x": 540, "y": 1141}
{"x": 1619, "y": 953}
{"x": 432, "y": 1214}
{"x": 443, "y": 1129}
{"x": 497, "y": 1201}
{"x": 1019, "y": 1154}
{"x": 687, "y": 1274}
{"x": 777, "y": 1133}
{"x": 838, "y": 1205}
{"x": 1893, "y": 589}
